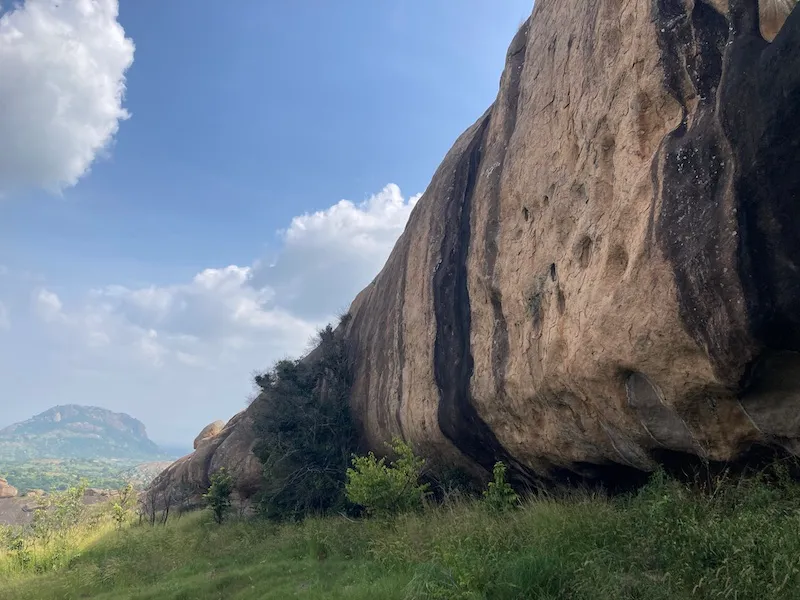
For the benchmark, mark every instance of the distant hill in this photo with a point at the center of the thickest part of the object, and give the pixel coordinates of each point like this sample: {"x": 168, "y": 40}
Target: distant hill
{"x": 85, "y": 432}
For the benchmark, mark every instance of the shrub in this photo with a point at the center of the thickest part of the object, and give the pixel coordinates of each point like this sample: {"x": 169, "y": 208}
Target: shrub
{"x": 121, "y": 509}
{"x": 219, "y": 493}
{"x": 500, "y": 496}
{"x": 305, "y": 432}
{"x": 48, "y": 543}
{"x": 57, "y": 514}
{"x": 386, "y": 489}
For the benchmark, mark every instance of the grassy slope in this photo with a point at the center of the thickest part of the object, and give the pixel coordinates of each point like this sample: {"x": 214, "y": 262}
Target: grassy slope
{"x": 665, "y": 543}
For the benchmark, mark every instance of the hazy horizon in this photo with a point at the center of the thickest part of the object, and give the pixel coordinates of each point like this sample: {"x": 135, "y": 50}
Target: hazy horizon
{"x": 180, "y": 447}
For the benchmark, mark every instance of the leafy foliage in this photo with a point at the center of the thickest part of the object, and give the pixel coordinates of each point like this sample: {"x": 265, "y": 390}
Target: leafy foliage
{"x": 123, "y": 506}
{"x": 219, "y": 493}
{"x": 59, "y": 475}
{"x": 499, "y": 495}
{"x": 47, "y": 542}
{"x": 305, "y": 431}
{"x": 387, "y": 489}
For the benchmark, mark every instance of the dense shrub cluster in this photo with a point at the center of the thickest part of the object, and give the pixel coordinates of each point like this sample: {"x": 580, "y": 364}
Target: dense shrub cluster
{"x": 218, "y": 496}
{"x": 306, "y": 436}
{"x": 387, "y": 489}
{"x": 307, "y": 439}
{"x": 48, "y": 542}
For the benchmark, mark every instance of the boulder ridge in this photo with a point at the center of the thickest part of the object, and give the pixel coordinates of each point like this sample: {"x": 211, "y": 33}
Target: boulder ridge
{"x": 603, "y": 274}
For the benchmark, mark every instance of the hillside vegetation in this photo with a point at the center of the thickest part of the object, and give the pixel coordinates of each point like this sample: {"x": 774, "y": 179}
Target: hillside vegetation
{"x": 54, "y": 474}
{"x": 736, "y": 539}
{"x": 78, "y": 432}
{"x": 334, "y": 524}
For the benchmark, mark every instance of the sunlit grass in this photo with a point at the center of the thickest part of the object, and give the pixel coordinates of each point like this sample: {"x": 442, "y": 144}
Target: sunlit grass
{"x": 664, "y": 542}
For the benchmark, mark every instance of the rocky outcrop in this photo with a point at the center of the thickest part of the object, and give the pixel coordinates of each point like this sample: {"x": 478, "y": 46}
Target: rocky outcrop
{"x": 604, "y": 273}
{"x": 185, "y": 480}
{"x": 7, "y": 490}
{"x": 208, "y": 432}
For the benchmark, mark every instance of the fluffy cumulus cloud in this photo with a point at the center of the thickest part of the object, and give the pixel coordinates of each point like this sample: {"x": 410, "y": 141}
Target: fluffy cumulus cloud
{"x": 328, "y": 256}
{"x": 179, "y": 356}
{"x": 212, "y": 319}
{"x": 229, "y": 313}
{"x": 63, "y": 65}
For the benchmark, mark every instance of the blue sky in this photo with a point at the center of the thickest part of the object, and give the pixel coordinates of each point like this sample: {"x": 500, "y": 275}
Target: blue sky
{"x": 152, "y": 260}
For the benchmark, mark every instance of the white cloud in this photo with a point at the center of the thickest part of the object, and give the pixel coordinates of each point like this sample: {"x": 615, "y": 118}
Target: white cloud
{"x": 328, "y": 256}
{"x": 48, "y": 305}
{"x": 369, "y": 227}
{"x": 63, "y": 65}
{"x": 191, "y": 323}
{"x": 196, "y": 341}
{"x": 151, "y": 349}
{"x": 223, "y": 313}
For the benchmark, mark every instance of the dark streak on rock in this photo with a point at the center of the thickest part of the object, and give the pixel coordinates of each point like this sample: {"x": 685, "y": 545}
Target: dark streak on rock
{"x": 354, "y": 333}
{"x": 760, "y": 115}
{"x": 693, "y": 229}
{"x": 453, "y": 363}
{"x": 730, "y": 205}
{"x": 515, "y": 61}
{"x": 401, "y": 348}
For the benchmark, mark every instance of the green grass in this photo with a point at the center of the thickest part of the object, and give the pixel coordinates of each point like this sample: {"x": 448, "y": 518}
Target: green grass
{"x": 666, "y": 542}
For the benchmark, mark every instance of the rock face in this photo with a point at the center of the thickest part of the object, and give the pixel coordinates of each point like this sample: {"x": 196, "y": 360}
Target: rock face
{"x": 185, "y": 480}
{"x": 604, "y": 272}
{"x": 209, "y": 431}
{"x": 6, "y": 490}
{"x": 772, "y": 15}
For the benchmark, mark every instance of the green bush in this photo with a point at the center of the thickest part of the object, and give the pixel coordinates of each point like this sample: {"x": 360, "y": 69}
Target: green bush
{"x": 58, "y": 513}
{"x": 123, "y": 505}
{"x": 49, "y": 542}
{"x": 305, "y": 433}
{"x": 386, "y": 489}
{"x": 500, "y": 496}
{"x": 218, "y": 497}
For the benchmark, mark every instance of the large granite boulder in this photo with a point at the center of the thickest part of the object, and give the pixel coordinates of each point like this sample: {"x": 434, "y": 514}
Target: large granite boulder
{"x": 185, "y": 480}
{"x": 604, "y": 273}
{"x": 208, "y": 432}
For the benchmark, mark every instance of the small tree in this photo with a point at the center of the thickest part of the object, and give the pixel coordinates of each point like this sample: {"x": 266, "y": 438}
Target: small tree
{"x": 219, "y": 493}
{"x": 121, "y": 509}
{"x": 305, "y": 433}
{"x": 500, "y": 496}
{"x": 385, "y": 489}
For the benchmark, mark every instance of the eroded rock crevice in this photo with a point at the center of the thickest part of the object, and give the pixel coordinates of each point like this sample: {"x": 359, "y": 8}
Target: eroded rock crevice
{"x": 453, "y": 362}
